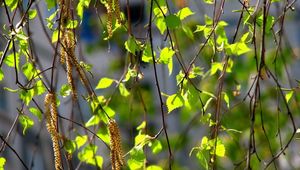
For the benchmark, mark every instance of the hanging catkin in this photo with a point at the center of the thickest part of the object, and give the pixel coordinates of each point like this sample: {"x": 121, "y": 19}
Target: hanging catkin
{"x": 116, "y": 153}
{"x": 51, "y": 124}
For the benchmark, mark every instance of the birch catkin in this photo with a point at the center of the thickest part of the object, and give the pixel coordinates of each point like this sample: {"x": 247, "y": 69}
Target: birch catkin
{"x": 51, "y": 124}
{"x": 116, "y": 153}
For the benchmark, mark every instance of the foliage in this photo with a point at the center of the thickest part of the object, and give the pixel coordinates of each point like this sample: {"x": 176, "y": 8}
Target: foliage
{"x": 182, "y": 89}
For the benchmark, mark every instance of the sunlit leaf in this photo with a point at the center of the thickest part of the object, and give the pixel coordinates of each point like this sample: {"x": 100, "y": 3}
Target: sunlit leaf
{"x": 36, "y": 112}
{"x": 220, "y": 150}
{"x": 54, "y": 36}
{"x": 289, "y": 95}
{"x": 65, "y": 90}
{"x": 28, "y": 70}
{"x": 87, "y": 153}
{"x": 208, "y": 1}
{"x": 123, "y": 90}
{"x": 80, "y": 7}
{"x": 94, "y": 120}
{"x": 184, "y": 12}
{"x": 97, "y": 160}
{"x": 131, "y": 45}
{"x": 142, "y": 126}
{"x": 215, "y": 66}
{"x": 137, "y": 158}
{"x": 50, "y": 4}
{"x": 161, "y": 24}
{"x": 174, "y": 101}
{"x": 1, "y": 75}
{"x": 80, "y": 141}
{"x": 2, "y": 163}
{"x": 26, "y": 122}
{"x": 32, "y": 13}
{"x": 156, "y": 146}
{"x": 226, "y": 99}
{"x": 104, "y": 83}
{"x": 104, "y": 135}
{"x": 154, "y": 167}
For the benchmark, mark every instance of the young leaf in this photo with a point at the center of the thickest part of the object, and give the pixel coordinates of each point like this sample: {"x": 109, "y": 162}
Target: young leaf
{"x": 26, "y": 122}
{"x": 184, "y": 12}
{"x": 70, "y": 146}
{"x": 156, "y": 146}
{"x": 208, "y": 1}
{"x": 166, "y": 55}
{"x": 289, "y": 95}
{"x": 226, "y": 99}
{"x": 65, "y": 90}
{"x": 123, "y": 90}
{"x": 154, "y": 167}
{"x": 54, "y": 36}
{"x": 87, "y": 153}
{"x": 103, "y": 134}
{"x": 220, "y": 150}
{"x": 80, "y": 7}
{"x": 202, "y": 159}
{"x": 2, "y": 163}
{"x": 161, "y": 24}
{"x": 36, "y": 112}
{"x": 1, "y": 75}
{"x": 131, "y": 45}
{"x": 80, "y": 141}
{"x": 28, "y": 70}
{"x": 32, "y": 13}
{"x": 104, "y": 83}
{"x": 174, "y": 101}
{"x": 137, "y": 158}
{"x": 97, "y": 160}
{"x": 94, "y": 120}
{"x": 172, "y": 21}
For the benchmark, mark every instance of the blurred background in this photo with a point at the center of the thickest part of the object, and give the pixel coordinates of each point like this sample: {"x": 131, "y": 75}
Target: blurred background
{"x": 110, "y": 59}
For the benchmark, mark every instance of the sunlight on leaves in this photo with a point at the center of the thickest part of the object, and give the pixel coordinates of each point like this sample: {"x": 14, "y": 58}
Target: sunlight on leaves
{"x": 2, "y": 163}
{"x": 26, "y": 122}
{"x": 174, "y": 101}
{"x": 80, "y": 140}
{"x": 104, "y": 82}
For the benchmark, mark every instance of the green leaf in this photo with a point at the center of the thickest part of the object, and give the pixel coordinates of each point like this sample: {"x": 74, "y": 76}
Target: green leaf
{"x": 50, "y": 4}
{"x": 80, "y": 140}
{"x": 187, "y": 30}
{"x": 104, "y": 135}
{"x": 154, "y": 167}
{"x": 36, "y": 112}
{"x": 94, "y": 120}
{"x": 172, "y": 21}
{"x": 65, "y": 90}
{"x": 238, "y": 48}
{"x": 166, "y": 55}
{"x": 1, "y": 75}
{"x": 104, "y": 83}
{"x": 70, "y": 146}
{"x": 12, "y": 4}
{"x": 156, "y": 147}
{"x": 28, "y": 70}
{"x": 137, "y": 158}
{"x": 202, "y": 159}
{"x": 161, "y": 24}
{"x": 10, "y": 61}
{"x": 80, "y": 7}
{"x": 2, "y": 163}
{"x": 97, "y": 160}
{"x": 131, "y": 45}
{"x": 174, "y": 101}
{"x": 289, "y": 95}
{"x": 39, "y": 88}
{"x": 71, "y": 24}
{"x": 215, "y": 66}
{"x": 26, "y": 95}
{"x": 87, "y": 153}
{"x": 220, "y": 150}
{"x": 54, "y": 36}
{"x": 141, "y": 140}
{"x": 32, "y": 13}
{"x": 147, "y": 54}
{"x": 200, "y": 28}
{"x": 226, "y": 99}
{"x": 141, "y": 126}
{"x": 26, "y": 122}
{"x": 123, "y": 90}
{"x": 209, "y": 1}
{"x": 184, "y": 12}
